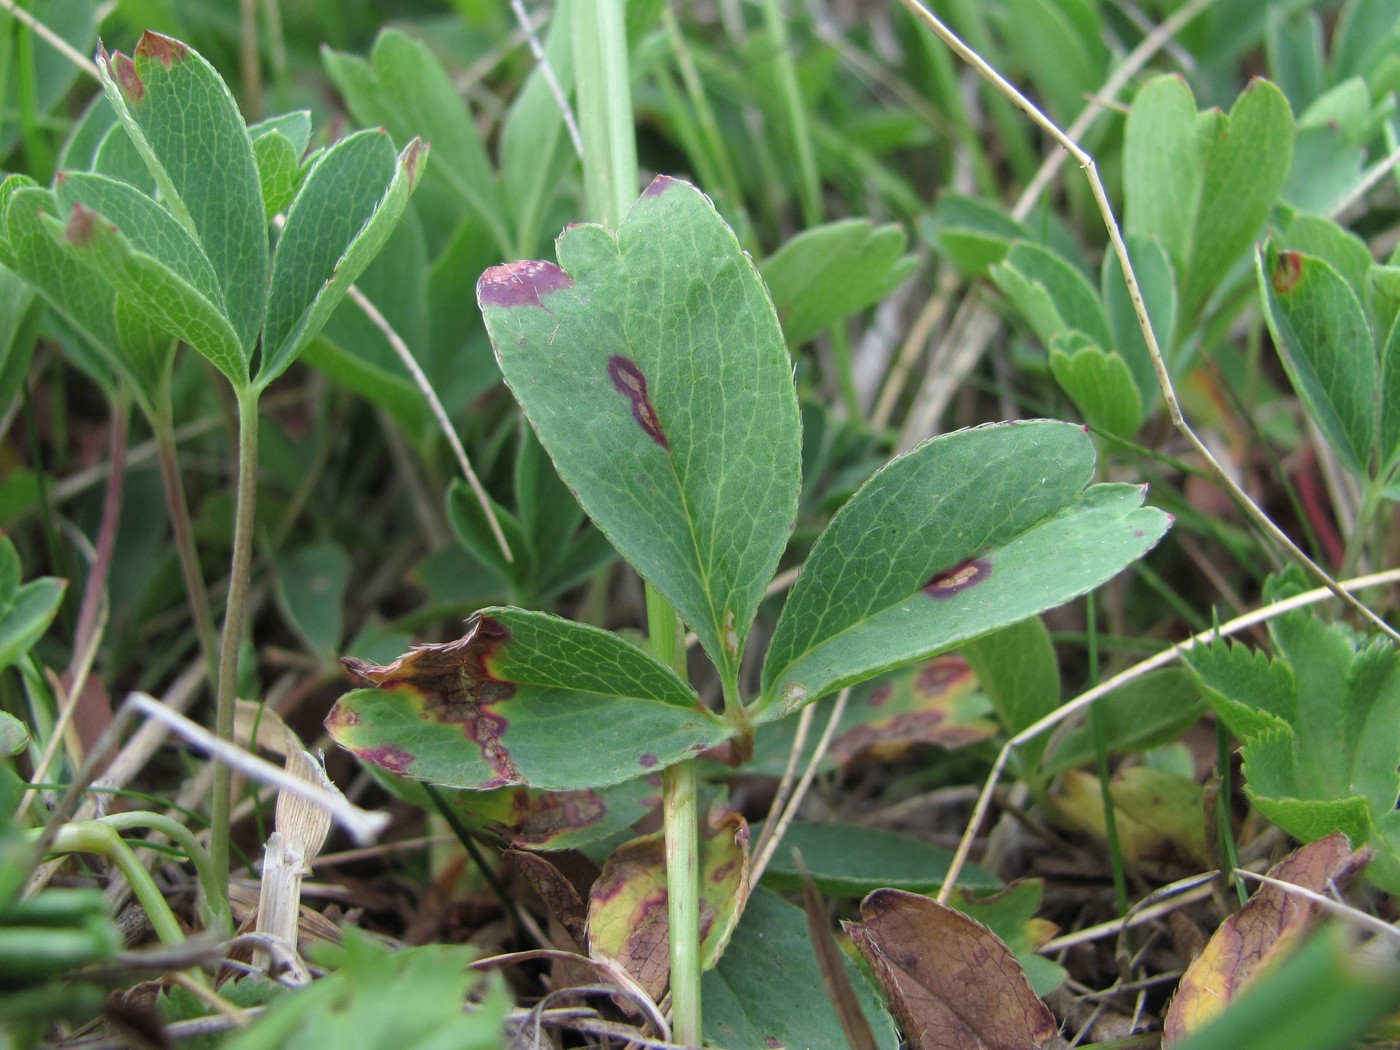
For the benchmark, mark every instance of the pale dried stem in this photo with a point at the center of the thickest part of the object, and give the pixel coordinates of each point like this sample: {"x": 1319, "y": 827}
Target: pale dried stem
{"x": 1261, "y": 520}
{"x": 51, "y": 38}
{"x": 425, "y": 387}
{"x": 1133, "y": 673}
{"x": 774, "y": 832}
{"x": 946, "y": 376}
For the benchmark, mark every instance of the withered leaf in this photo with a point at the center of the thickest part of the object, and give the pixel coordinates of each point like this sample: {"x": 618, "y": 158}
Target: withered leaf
{"x": 1270, "y": 926}
{"x": 949, "y": 980}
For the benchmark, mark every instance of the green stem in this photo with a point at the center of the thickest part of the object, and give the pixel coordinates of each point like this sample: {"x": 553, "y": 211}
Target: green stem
{"x": 92, "y": 836}
{"x": 233, "y": 626}
{"x": 682, "y": 819}
{"x": 1110, "y": 817}
{"x": 808, "y": 182}
{"x": 1228, "y": 846}
{"x": 604, "y": 94}
{"x": 213, "y": 907}
{"x": 182, "y": 531}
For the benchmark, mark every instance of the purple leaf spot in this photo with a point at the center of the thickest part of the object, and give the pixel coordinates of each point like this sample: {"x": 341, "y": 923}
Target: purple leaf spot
{"x": 880, "y": 694}
{"x": 632, "y": 385}
{"x": 1139, "y": 533}
{"x": 166, "y": 50}
{"x": 959, "y": 578}
{"x": 660, "y": 185}
{"x": 82, "y": 227}
{"x": 387, "y": 756}
{"x": 521, "y": 283}
{"x": 123, "y": 70}
{"x": 648, "y": 760}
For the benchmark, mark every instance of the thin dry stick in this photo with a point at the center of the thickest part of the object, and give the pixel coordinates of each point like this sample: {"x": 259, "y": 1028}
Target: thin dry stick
{"x": 1164, "y": 380}
{"x": 1166, "y": 656}
{"x": 1135, "y": 60}
{"x": 561, "y": 97}
{"x": 780, "y": 796}
{"x": 775, "y": 834}
{"x": 1331, "y": 904}
{"x": 51, "y": 38}
{"x": 439, "y": 413}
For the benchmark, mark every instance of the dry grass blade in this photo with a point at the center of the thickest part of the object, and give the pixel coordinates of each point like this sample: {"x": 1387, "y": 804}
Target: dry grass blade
{"x": 1086, "y": 162}
{"x": 1166, "y": 656}
{"x": 832, "y": 963}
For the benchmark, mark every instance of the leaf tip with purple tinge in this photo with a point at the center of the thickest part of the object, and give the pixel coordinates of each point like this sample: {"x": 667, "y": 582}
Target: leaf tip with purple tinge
{"x": 521, "y": 283}
{"x": 660, "y": 185}
{"x": 166, "y": 50}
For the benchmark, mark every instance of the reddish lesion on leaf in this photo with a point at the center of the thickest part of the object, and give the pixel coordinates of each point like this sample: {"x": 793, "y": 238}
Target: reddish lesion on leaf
{"x": 82, "y": 227}
{"x": 959, "y": 578}
{"x": 1288, "y": 271}
{"x": 627, "y": 378}
{"x": 521, "y": 283}
{"x": 166, "y": 50}
{"x": 123, "y": 70}
{"x": 387, "y": 756}
{"x": 458, "y": 686}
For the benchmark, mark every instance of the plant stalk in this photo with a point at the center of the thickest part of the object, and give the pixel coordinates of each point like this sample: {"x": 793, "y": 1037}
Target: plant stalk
{"x": 233, "y": 627}
{"x": 682, "y": 821}
{"x": 178, "y": 508}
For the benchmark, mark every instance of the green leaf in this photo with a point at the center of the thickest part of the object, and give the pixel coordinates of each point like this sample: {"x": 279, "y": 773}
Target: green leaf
{"x": 1325, "y": 345}
{"x": 534, "y": 146}
{"x": 379, "y": 998}
{"x": 14, "y": 734}
{"x": 1251, "y": 693}
{"x": 767, "y": 990}
{"x": 848, "y": 860}
{"x": 342, "y": 216}
{"x": 1151, "y": 710}
{"x": 1100, "y": 385}
{"x": 311, "y": 586}
{"x": 151, "y": 261}
{"x": 1204, "y": 183}
{"x": 26, "y": 610}
{"x": 1322, "y": 717}
{"x": 1052, "y": 295}
{"x": 185, "y": 123}
{"x": 473, "y": 531}
{"x": 1157, "y": 284}
{"x": 1247, "y": 160}
{"x": 1390, "y": 398}
{"x": 1341, "y": 249}
{"x": 278, "y": 146}
{"x": 81, "y": 297}
{"x": 1163, "y": 154}
{"x": 967, "y": 533}
{"x": 825, "y": 274}
{"x": 1061, "y": 41}
{"x": 404, "y": 89}
{"x": 972, "y": 234}
{"x": 654, "y": 372}
{"x": 1017, "y": 669}
{"x": 523, "y": 699}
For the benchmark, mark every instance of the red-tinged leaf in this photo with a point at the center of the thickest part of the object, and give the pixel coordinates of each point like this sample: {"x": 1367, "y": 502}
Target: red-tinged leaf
{"x": 950, "y": 981}
{"x": 485, "y": 711}
{"x": 935, "y": 703}
{"x": 627, "y": 909}
{"x": 1269, "y": 927}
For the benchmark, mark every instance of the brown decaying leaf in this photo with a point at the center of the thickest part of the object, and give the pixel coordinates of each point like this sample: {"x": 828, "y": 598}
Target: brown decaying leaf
{"x": 950, "y": 981}
{"x": 558, "y": 894}
{"x": 628, "y": 918}
{"x": 1266, "y": 929}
